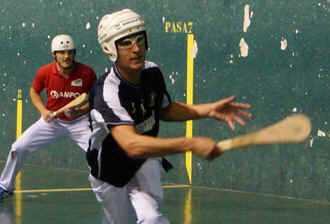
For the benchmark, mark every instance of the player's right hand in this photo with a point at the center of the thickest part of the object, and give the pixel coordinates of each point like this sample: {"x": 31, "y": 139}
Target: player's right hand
{"x": 48, "y": 116}
{"x": 205, "y": 148}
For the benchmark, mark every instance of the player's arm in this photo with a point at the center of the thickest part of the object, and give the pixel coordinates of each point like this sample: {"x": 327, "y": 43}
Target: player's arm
{"x": 142, "y": 146}
{"x": 178, "y": 111}
{"x": 39, "y": 104}
{"x": 226, "y": 110}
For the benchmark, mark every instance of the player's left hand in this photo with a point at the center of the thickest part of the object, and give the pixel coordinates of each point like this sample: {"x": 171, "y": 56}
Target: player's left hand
{"x": 72, "y": 113}
{"x": 229, "y": 111}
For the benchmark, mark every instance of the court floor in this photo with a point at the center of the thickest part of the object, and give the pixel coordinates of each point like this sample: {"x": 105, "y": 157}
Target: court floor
{"x": 60, "y": 196}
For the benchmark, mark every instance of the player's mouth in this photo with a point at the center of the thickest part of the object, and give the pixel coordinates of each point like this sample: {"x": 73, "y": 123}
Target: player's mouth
{"x": 67, "y": 61}
{"x": 137, "y": 59}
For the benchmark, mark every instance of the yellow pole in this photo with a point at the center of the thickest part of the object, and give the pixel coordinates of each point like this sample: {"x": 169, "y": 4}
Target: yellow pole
{"x": 190, "y": 86}
{"x": 18, "y": 194}
{"x": 187, "y": 208}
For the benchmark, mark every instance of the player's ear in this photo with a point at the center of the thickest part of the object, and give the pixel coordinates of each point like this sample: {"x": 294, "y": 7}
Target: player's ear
{"x": 53, "y": 54}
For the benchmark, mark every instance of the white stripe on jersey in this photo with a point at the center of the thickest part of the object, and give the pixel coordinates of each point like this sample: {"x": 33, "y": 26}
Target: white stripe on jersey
{"x": 111, "y": 96}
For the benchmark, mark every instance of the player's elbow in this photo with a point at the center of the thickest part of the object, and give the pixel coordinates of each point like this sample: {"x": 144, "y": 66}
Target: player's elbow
{"x": 136, "y": 153}
{"x": 134, "y": 150}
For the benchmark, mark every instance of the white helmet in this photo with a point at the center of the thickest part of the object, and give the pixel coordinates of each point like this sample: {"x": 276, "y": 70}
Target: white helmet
{"x": 62, "y": 42}
{"x": 115, "y": 26}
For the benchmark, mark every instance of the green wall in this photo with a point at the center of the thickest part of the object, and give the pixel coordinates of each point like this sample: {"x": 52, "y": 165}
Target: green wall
{"x": 276, "y": 79}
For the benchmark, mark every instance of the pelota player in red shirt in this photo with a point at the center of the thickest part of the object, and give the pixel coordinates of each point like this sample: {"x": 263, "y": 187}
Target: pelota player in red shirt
{"x": 64, "y": 80}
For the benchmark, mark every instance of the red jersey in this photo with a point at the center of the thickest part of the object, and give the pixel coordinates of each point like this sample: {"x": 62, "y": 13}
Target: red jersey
{"x": 61, "y": 90}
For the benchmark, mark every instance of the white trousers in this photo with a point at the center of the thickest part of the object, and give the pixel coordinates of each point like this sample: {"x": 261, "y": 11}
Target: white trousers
{"x": 36, "y": 136}
{"x": 136, "y": 202}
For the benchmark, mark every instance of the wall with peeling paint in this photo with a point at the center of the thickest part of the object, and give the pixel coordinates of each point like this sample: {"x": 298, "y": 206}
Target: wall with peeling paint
{"x": 272, "y": 54}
